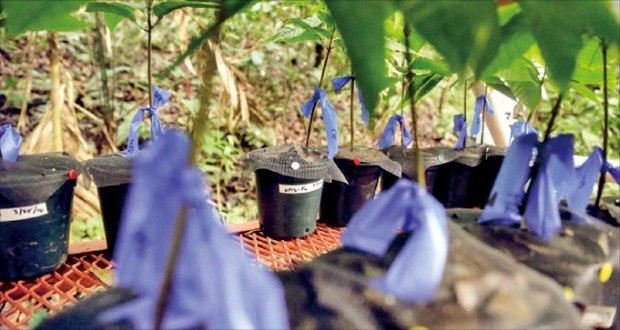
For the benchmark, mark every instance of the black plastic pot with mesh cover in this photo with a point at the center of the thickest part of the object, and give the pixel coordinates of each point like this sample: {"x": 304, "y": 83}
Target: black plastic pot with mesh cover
{"x": 289, "y": 182}
{"x": 467, "y": 179}
{"x": 480, "y": 289}
{"x": 112, "y": 175}
{"x": 362, "y": 167}
{"x": 581, "y": 257}
{"x": 36, "y": 196}
{"x": 432, "y": 157}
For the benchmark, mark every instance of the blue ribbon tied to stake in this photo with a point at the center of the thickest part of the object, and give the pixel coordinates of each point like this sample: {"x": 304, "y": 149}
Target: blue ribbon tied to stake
{"x": 10, "y": 142}
{"x": 416, "y": 272}
{"x": 481, "y": 102}
{"x": 160, "y": 97}
{"x": 586, "y": 175}
{"x": 520, "y": 128}
{"x": 460, "y": 127}
{"x": 387, "y": 137}
{"x": 214, "y": 285}
{"x": 330, "y": 118}
{"x": 340, "y": 82}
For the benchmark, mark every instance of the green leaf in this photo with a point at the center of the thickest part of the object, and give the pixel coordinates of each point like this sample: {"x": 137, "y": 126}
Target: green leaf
{"x": 465, "y": 33}
{"x": 115, "y": 8}
{"x": 558, "y": 30}
{"x": 500, "y": 86}
{"x": 362, "y": 31}
{"x": 394, "y": 29}
{"x": 298, "y": 30}
{"x": 584, "y": 91}
{"x": 425, "y": 63}
{"x": 41, "y": 15}
{"x": 516, "y": 40}
{"x": 425, "y": 83}
{"x": 165, "y": 7}
{"x": 112, "y": 20}
{"x": 522, "y": 78}
{"x": 589, "y": 68}
{"x": 229, "y": 8}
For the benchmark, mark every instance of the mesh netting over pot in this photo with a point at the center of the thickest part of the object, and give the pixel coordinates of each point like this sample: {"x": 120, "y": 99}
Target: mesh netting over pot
{"x": 293, "y": 161}
{"x": 480, "y": 289}
{"x": 110, "y": 170}
{"x": 369, "y": 157}
{"x": 577, "y": 257}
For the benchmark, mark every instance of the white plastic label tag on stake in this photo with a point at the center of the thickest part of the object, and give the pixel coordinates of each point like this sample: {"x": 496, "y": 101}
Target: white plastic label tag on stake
{"x": 300, "y": 188}
{"x": 23, "y": 212}
{"x": 598, "y": 316}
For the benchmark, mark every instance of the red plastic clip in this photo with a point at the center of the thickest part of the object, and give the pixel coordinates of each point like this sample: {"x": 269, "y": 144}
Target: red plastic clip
{"x": 72, "y": 175}
{"x": 356, "y": 161}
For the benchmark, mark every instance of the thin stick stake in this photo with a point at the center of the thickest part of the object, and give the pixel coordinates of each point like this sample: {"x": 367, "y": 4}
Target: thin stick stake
{"x": 411, "y": 94}
{"x": 601, "y": 180}
{"x": 329, "y": 49}
{"x": 352, "y": 121}
{"x": 465, "y": 108}
{"x": 484, "y": 110}
{"x": 149, "y": 31}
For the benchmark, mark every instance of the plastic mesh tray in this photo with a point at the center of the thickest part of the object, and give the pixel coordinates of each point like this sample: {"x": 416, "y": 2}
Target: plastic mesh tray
{"x": 21, "y": 301}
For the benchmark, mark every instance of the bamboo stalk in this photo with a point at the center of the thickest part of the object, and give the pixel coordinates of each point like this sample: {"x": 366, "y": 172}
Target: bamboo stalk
{"x": 329, "y": 49}
{"x": 55, "y": 91}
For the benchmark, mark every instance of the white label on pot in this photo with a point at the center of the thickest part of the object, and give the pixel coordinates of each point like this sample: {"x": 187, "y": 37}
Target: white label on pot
{"x": 23, "y": 212}
{"x": 300, "y": 188}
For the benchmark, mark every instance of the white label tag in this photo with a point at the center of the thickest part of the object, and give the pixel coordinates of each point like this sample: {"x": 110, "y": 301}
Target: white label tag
{"x": 598, "y": 316}
{"x": 300, "y": 188}
{"x": 23, "y": 212}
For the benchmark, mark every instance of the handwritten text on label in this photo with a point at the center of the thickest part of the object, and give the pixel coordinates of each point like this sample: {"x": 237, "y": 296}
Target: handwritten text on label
{"x": 300, "y": 188}
{"x": 23, "y": 212}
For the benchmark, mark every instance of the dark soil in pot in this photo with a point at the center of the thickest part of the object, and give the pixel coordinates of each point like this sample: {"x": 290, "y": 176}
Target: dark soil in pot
{"x": 112, "y": 175}
{"x": 362, "y": 167}
{"x": 289, "y": 182}
{"x": 407, "y": 160}
{"x": 36, "y": 197}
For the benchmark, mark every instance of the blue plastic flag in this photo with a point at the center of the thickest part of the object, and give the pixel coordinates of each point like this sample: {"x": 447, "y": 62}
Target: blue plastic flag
{"x": 10, "y": 142}
{"x": 521, "y": 127}
{"x": 340, "y": 82}
{"x": 460, "y": 126}
{"x": 214, "y": 284}
{"x": 416, "y": 272}
{"x": 587, "y": 173}
{"x": 556, "y": 178}
{"x": 507, "y": 194}
{"x": 160, "y": 97}
{"x": 330, "y": 118}
{"x": 387, "y": 137}
{"x": 476, "y": 126}
{"x": 613, "y": 171}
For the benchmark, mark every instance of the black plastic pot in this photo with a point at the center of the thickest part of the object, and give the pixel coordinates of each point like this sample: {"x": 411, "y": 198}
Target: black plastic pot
{"x": 287, "y": 206}
{"x": 407, "y": 160}
{"x": 112, "y": 202}
{"x": 36, "y": 245}
{"x": 341, "y": 201}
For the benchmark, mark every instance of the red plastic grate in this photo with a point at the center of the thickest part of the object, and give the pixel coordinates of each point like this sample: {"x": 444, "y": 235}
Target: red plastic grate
{"x": 74, "y": 280}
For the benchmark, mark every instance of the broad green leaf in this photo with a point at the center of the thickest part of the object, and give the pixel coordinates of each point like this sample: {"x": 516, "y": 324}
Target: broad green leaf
{"x": 112, "y": 20}
{"x": 423, "y": 84}
{"x": 165, "y": 7}
{"x": 425, "y": 63}
{"x": 584, "y": 91}
{"x": 362, "y": 30}
{"x": 506, "y": 13}
{"x": 228, "y": 9}
{"x": 298, "y": 30}
{"x": 465, "y": 33}
{"x": 116, "y": 8}
{"x": 589, "y": 68}
{"x": 522, "y": 78}
{"x": 516, "y": 40}
{"x": 558, "y": 28}
{"x": 41, "y": 15}
{"x": 500, "y": 86}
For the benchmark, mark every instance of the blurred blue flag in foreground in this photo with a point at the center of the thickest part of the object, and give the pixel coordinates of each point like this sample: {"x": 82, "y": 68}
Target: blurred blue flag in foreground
{"x": 10, "y": 142}
{"x": 340, "y": 82}
{"x": 330, "y": 118}
{"x": 214, "y": 284}
{"x": 416, "y": 272}
{"x": 160, "y": 97}
{"x": 555, "y": 177}
{"x": 387, "y": 137}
